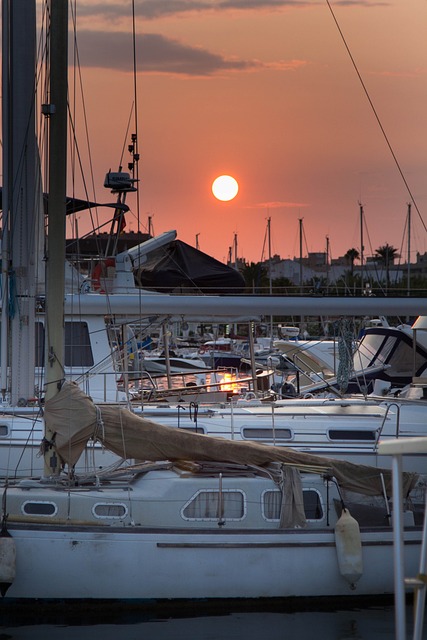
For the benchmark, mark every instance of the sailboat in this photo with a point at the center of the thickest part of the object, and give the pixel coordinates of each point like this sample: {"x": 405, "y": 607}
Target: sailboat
{"x": 197, "y": 517}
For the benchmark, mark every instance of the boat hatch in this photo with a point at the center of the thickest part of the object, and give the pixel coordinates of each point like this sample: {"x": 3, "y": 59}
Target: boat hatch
{"x": 110, "y": 510}
{"x": 211, "y": 505}
{"x": 352, "y": 434}
{"x": 39, "y": 508}
{"x": 272, "y": 505}
{"x": 254, "y": 433}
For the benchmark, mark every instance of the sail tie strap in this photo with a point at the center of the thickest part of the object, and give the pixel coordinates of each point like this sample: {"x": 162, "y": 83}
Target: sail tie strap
{"x": 99, "y": 426}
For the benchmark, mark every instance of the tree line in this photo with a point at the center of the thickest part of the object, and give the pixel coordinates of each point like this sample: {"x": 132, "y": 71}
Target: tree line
{"x": 350, "y": 283}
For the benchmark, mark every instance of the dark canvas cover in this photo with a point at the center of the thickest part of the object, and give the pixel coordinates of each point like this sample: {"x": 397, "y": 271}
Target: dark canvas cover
{"x": 179, "y": 267}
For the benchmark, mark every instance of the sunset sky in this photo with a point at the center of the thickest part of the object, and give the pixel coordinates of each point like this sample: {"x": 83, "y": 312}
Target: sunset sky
{"x": 265, "y": 91}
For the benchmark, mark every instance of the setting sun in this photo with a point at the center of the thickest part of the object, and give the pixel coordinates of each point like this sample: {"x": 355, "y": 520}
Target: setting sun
{"x": 225, "y": 188}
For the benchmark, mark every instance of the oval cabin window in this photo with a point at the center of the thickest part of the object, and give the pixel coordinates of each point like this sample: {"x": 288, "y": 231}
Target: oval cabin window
{"x": 109, "y": 510}
{"x": 39, "y": 508}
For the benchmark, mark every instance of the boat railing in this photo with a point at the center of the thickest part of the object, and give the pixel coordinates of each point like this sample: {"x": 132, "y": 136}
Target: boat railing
{"x": 379, "y": 432}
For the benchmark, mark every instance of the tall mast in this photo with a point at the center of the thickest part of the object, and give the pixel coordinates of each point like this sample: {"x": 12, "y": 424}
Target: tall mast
{"x": 327, "y": 262}
{"x": 5, "y": 200}
{"x": 57, "y": 110}
{"x": 300, "y": 254}
{"x": 362, "y": 248}
{"x": 408, "y": 281}
{"x": 20, "y": 201}
{"x": 270, "y": 279}
{"x": 269, "y": 254}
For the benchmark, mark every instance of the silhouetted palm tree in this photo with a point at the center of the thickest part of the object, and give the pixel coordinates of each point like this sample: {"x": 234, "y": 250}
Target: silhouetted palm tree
{"x": 387, "y": 254}
{"x": 351, "y": 256}
{"x": 256, "y": 276}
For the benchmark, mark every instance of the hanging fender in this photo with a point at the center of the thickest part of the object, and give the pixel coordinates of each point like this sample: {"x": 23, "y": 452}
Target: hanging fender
{"x": 349, "y": 548}
{"x": 100, "y": 272}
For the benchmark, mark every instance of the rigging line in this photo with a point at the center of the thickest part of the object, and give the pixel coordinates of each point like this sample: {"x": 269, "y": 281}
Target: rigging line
{"x": 126, "y": 137}
{"x": 377, "y": 116}
{"x": 135, "y": 91}
{"x": 263, "y": 245}
{"x": 77, "y": 154}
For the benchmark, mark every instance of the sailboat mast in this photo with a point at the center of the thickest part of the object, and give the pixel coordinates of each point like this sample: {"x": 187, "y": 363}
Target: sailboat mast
{"x": 4, "y": 330}
{"x": 408, "y": 283}
{"x": 19, "y": 198}
{"x": 57, "y": 111}
{"x": 362, "y": 248}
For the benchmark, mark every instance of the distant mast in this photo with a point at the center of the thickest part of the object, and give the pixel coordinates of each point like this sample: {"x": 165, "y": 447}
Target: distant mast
{"x": 408, "y": 280}
{"x": 362, "y": 248}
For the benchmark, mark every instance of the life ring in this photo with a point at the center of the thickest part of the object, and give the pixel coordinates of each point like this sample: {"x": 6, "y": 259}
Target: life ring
{"x": 100, "y": 271}
{"x": 250, "y": 395}
{"x": 203, "y": 349}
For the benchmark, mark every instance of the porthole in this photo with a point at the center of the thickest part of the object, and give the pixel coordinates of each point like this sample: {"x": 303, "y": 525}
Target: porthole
{"x": 112, "y": 510}
{"x": 36, "y": 508}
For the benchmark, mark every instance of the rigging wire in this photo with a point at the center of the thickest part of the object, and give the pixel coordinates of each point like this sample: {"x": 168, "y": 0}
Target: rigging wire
{"x": 399, "y": 168}
{"x": 135, "y": 91}
{"x": 94, "y": 219}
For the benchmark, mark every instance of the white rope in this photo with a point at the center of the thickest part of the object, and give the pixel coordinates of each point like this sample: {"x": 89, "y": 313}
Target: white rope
{"x": 345, "y": 353}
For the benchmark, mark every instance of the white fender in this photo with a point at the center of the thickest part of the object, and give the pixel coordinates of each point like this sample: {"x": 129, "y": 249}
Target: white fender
{"x": 7, "y": 561}
{"x": 349, "y": 548}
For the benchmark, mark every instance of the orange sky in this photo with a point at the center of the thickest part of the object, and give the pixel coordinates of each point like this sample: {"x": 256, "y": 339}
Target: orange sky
{"x": 264, "y": 91}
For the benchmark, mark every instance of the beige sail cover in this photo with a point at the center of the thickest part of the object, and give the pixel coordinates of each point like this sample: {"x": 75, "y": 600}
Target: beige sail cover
{"x": 75, "y": 419}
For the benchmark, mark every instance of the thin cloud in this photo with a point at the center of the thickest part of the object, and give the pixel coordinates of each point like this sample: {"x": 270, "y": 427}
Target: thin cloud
{"x": 158, "y": 54}
{"x": 415, "y": 73}
{"x": 278, "y": 205}
{"x": 156, "y": 9}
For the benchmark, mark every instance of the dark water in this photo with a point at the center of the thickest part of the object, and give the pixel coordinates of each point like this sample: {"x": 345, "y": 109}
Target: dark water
{"x": 369, "y": 623}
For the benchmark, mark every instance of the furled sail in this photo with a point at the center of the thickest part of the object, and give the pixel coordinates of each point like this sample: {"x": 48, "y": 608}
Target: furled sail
{"x": 75, "y": 419}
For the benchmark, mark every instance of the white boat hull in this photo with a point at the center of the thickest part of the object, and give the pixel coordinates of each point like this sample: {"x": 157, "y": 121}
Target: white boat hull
{"x": 137, "y": 564}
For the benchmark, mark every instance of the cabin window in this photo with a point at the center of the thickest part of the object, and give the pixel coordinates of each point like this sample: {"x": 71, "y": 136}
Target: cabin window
{"x": 109, "y": 510}
{"x": 403, "y": 363}
{"x": 39, "y": 508}
{"x": 78, "y": 351}
{"x": 212, "y": 505}
{"x": 4, "y": 430}
{"x": 352, "y": 434}
{"x": 257, "y": 433}
{"x": 368, "y": 349}
{"x": 386, "y": 349}
{"x": 272, "y": 503}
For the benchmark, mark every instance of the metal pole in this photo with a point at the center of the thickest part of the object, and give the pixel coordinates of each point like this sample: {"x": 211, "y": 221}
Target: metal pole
{"x": 420, "y": 594}
{"x": 5, "y": 204}
{"x": 408, "y": 280}
{"x": 167, "y": 357}
{"x": 362, "y": 248}
{"x": 300, "y": 254}
{"x": 56, "y": 208}
{"x": 399, "y": 575}
{"x": 252, "y": 357}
